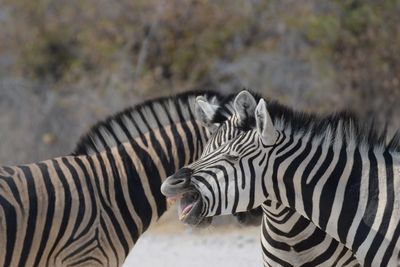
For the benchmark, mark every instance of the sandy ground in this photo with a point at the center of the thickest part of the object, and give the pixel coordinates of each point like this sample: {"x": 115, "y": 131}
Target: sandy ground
{"x": 171, "y": 244}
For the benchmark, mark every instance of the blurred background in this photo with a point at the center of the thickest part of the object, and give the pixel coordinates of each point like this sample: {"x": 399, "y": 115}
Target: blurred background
{"x": 66, "y": 64}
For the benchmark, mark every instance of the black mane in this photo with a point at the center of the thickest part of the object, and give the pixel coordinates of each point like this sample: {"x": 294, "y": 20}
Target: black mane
{"x": 91, "y": 141}
{"x": 360, "y": 132}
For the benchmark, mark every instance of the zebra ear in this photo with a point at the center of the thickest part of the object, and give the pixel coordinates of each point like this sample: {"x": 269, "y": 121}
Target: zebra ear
{"x": 204, "y": 112}
{"x": 244, "y": 105}
{"x": 265, "y": 127}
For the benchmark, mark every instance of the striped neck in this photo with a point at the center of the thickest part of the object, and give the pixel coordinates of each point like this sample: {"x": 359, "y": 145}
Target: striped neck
{"x": 345, "y": 187}
{"x": 130, "y": 176}
{"x": 136, "y": 150}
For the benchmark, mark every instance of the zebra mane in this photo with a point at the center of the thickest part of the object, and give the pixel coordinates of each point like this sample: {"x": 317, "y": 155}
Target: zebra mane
{"x": 317, "y": 125}
{"x": 135, "y": 121}
{"x": 362, "y": 133}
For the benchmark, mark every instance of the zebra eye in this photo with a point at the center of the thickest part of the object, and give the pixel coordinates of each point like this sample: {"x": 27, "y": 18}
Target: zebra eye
{"x": 231, "y": 156}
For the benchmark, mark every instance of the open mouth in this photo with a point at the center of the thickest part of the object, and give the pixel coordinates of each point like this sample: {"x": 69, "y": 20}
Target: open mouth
{"x": 190, "y": 207}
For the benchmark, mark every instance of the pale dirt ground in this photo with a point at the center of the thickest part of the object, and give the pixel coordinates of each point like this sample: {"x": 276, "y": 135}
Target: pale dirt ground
{"x": 172, "y": 244}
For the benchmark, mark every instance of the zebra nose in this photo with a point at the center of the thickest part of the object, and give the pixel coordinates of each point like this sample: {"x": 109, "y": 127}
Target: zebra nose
{"x": 177, "y": 183}
{"x": 184, "y": 173}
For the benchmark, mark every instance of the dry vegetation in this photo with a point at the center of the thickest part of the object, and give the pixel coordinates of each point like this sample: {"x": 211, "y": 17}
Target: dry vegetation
{"x": 93, "y": 57}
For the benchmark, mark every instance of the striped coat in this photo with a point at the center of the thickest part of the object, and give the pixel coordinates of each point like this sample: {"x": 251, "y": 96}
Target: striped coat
{"x": 89, "y": 208}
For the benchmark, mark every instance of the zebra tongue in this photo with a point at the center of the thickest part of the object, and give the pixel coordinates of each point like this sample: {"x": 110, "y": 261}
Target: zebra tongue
{"x": 185, "y": 211}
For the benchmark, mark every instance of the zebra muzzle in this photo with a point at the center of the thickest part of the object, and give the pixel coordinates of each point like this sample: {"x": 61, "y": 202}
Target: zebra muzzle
{"x": 177, "y": 184}
{"x": 188, "y": 202}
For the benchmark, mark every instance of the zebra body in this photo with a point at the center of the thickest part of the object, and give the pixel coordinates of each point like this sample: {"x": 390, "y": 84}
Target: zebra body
{"x": 89, "y": 209}
{"x": 328, "y": 169}
{"x": 349, "y": 191}
{"x": 37, "y": 210}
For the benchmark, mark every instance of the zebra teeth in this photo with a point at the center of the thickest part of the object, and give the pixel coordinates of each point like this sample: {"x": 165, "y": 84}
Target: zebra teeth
{"x": 186, "y": 211}
{"x": 188, "y": 202}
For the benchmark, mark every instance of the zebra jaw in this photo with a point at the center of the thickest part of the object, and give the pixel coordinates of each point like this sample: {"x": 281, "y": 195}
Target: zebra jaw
{"x": 188, "y": 202}
{"x": 189, "y": 206}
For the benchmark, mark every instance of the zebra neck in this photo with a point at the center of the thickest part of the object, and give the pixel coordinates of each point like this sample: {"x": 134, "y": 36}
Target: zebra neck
{"x": 286, "y": 225}
{"x": 347, "y": 190}
{"x": 132, "y": 173}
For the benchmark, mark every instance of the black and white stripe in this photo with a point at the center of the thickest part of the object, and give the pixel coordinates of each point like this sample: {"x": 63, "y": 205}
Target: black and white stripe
{"x": 89, "y": 208}
{"x": 287, "y": 238}
{"x": 334, "y": 172}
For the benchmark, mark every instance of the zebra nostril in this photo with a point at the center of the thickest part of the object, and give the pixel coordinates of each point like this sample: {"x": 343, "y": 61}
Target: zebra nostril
{"x": 175, "y": 185}
{"x": 178, "y": 182}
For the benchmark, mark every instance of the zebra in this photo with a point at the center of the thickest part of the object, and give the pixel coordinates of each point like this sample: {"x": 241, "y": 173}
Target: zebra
{"x": 89, "y": 208}
{"x": 286, "y": 233}
{"x": 336, "y": 172}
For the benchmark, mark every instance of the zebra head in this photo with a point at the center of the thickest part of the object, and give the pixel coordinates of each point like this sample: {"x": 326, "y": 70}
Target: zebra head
{"x": 224, "y": 170}
{"x": 223, "y": 122}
